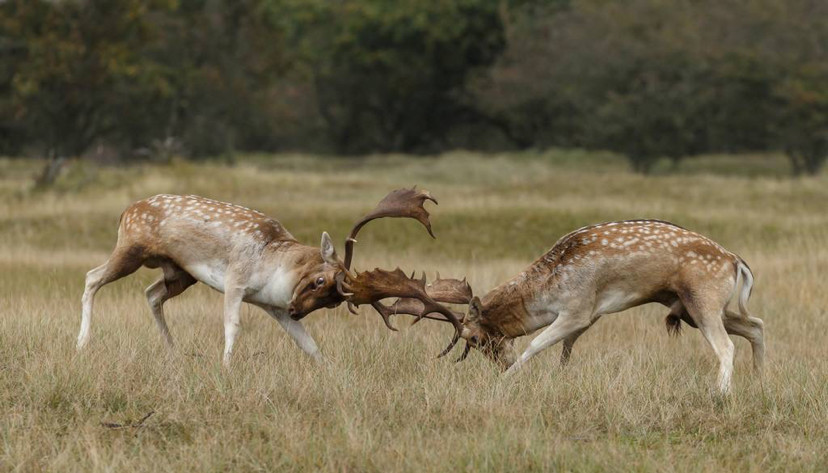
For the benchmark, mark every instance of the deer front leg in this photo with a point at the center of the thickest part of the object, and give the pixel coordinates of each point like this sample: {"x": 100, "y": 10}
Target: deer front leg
{"x": 233, "y": 296}
{"x": 563, "y": 327}
{"x": 297, "y": 332}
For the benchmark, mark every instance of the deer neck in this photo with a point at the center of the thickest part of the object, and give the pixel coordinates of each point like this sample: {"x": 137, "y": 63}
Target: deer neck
{"x": 282, "y": 266}
{"x": 292, "y": 254}
{"x": 512, "y": 307}
{"x": 505, "y": 311}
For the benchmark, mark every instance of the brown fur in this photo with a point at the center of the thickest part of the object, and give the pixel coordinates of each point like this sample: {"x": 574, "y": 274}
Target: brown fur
{"x": 241, "y": 252}
{"x": 611, "y": 267}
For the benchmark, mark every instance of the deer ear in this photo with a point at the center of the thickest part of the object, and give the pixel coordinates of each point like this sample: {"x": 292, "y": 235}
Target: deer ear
{"x": 328, "y": 250}
{"x": 475, "y": 308}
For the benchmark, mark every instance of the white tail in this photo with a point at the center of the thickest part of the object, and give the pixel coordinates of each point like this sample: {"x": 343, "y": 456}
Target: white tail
{"x": 747, "y": 286}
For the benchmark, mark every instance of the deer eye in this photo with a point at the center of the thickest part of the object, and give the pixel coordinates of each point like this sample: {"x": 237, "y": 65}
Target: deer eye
{"x": 319, "y": 281}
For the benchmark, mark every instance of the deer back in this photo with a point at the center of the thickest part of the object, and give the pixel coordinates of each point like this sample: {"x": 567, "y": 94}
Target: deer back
{"x": 610, "y": 266}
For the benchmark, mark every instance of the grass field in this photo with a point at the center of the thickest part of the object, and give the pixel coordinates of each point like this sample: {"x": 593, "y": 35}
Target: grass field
{"x": 632, "y": 398}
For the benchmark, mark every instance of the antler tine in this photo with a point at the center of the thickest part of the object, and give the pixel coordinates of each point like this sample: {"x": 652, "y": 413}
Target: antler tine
{"x": 465, "y": 353}
{"x": 385, "y": 314}
{"x": 450, "y": 346}
{"x": 340, "y": 283}
{"x": 452, "y": 291}
{"x": 399, "y": 203}
{"x": 402, "y": 306}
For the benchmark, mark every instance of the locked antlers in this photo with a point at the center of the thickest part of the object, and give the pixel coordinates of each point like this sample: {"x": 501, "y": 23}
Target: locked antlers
{"x": 450, "y": 291}
{"x": 415, "y": 297}
{"x": 441, "y": 291}
{"x": 370, "y": 287}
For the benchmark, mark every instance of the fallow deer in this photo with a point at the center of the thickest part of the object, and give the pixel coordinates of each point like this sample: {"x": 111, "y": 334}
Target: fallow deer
{"x": 608, "y": 268}
{"x": 250, "y": 258}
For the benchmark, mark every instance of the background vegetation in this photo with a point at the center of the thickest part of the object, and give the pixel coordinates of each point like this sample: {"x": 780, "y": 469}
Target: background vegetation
{"x": 648, "y": 79}
{"x": 632, "y": 398}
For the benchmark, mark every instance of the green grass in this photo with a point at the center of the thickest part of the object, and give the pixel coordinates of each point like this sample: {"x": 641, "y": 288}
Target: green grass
{"x": 632, "y": 398}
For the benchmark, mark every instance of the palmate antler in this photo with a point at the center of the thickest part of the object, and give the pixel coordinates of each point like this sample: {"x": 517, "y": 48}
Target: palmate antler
{"x": 399, "y": 203}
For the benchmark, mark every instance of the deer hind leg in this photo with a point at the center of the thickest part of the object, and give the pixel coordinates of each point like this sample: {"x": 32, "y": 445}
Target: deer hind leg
{"x": 751, "y": 328}
{"x": 122, "y": 262}
{"x": 708, "y": 316}
{"x": 569, "y": 342}
{"x": 174, "y": 282}
{"x": 565, "y": 326}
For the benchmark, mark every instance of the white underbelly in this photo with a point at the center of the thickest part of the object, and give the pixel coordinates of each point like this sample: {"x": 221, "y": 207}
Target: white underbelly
{"x": 612, "y": 301}
{"x": 211, "y": 273}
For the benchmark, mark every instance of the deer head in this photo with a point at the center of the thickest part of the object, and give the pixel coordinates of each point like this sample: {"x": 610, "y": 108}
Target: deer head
{"x": 478, "y": 334}
{"x": 317, "y": 286}
{"x": 472, "y": 327}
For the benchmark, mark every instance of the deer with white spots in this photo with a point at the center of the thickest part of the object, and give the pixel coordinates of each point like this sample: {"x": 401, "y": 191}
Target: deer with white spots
{"x": 608, "y": 268}
{"x": 250, "y": 258}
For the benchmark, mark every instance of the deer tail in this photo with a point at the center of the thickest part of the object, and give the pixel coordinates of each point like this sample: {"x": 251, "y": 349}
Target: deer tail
{"x": 744, "y": 273}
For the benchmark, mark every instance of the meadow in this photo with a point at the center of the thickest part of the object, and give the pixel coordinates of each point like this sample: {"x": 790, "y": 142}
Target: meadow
{"x": 631, "y": 399}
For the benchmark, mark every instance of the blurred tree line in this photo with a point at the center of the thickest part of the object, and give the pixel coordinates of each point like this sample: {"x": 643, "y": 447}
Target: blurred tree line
{"x": 648, "y": 79}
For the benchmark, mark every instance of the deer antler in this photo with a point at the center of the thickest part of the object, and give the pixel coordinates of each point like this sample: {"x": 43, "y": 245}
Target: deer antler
{"x": 399, "y": 203}
{"x": 451, "y": 291}
{"x": 448, "y": 291}
{"x": 370, "y": 287}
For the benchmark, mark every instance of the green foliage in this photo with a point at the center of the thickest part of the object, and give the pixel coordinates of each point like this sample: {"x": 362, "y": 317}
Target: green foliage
{"x": 648, "y": 79}
{"x": 390, "y": 75}
{"x": 652, "y": 79}
{"x": 75, "y": 66}
{"x": 803, "y": 119}
{"x": 222, "y": 57}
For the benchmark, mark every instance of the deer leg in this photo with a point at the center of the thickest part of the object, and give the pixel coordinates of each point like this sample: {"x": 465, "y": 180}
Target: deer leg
{"x": 751, "y": 328}
{"x": 716, "y": 335}
{"x": 297, "y": 332}
{"x": 711, "y": 325}
{"x": 562, "y": 328}
{"x": 121, "y": 263}
{"x": 232, "y": 307}
{"x": 568, "y": 343}
{"x": 174, "y": 282}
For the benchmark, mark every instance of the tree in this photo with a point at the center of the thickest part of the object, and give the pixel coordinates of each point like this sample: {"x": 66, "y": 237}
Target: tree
{"x": 221, "y": 59}
{"x": 390, "y": 75}
{"x": 76, "y": 59}
{"x": 802, "y": 119}
{"x": 652, "y": 79}
{"x": 605, "y": 76}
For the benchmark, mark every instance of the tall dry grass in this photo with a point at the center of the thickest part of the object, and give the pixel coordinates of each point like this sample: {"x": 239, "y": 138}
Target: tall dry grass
{"x": 631, "y": 399}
